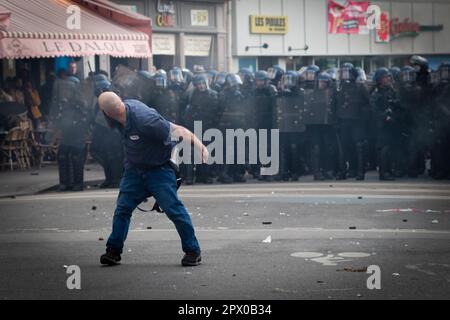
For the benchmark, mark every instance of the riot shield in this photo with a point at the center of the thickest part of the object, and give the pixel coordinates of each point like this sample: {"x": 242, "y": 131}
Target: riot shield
{"x": 166, "y": 103}
{"x": 289, "y": 114}
{"x": 233, "y": 113}
{"x": 262, "y": 108}
{"x": 317, "y": 107}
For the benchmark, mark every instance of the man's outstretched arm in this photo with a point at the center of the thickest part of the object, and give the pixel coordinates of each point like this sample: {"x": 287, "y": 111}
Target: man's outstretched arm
{"x": 177, "y": 132}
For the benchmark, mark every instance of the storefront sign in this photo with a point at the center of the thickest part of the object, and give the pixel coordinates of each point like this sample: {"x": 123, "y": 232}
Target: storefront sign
{"x": 24, "y": 48}
{"x": 198, "y": 46}
{"x": 199, "y": 18}
{"x": 347, "y": 17}
{"x": 383, "y": 34}
{"x": 168, "y": 7}
{"x": 166, "y": 12}
{"x": 391, "y": 29}
{"x": 269, "y": 24}
{"x": 163, "y": 44}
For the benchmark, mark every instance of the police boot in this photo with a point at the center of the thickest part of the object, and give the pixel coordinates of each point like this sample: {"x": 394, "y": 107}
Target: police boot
{"x": 360, "y": 165}
{"x": 78, "y": 170}
{"x": 224, "y": 176}
{"x": 116, "y": 166}
{"x": 108, "y": 176}
{"x": 63, "y": 169}
{"x": 189, "y": 171}
{"x": 239, "y": 174}
{"x": 203, "y": 174}
{"x": 385, "y": 174}
{"x": 315, "y": 163}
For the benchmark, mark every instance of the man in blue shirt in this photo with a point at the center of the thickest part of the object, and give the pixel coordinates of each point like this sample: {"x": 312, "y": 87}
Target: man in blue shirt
{"x": 148, "y": 140}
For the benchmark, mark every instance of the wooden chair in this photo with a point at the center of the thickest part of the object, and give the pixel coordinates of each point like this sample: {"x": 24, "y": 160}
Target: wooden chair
{"x": 13, "y": 148}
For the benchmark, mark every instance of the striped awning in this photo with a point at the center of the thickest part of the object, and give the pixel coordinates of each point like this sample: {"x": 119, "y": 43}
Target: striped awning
{"x": 39, "y": 28}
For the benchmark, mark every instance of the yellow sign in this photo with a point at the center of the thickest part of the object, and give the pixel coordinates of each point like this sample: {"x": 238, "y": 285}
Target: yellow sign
{"x": 269, "y": 24}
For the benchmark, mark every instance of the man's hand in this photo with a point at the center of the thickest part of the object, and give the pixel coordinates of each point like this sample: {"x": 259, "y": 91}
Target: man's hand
{"x": 205, "y": 154}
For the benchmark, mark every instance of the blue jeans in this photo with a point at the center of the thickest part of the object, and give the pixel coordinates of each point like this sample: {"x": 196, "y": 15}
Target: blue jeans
{"x": 135, "y": 187}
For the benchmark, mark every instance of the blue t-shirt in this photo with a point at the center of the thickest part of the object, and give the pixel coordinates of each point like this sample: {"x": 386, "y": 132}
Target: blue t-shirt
{"x": 147, "y": 136}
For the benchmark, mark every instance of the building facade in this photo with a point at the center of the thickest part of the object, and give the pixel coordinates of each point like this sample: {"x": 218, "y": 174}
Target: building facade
{"x": 289, "y": 27}
{"x": 186, "y": 33}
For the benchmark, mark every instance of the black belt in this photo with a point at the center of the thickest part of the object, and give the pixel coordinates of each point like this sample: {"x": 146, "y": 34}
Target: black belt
{"x": 176, "y": 170}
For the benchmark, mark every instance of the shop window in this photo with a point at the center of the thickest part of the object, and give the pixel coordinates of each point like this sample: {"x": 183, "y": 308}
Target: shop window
{"x": 325, "y": 63}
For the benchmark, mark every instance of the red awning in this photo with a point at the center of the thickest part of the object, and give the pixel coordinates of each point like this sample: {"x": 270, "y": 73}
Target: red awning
{"x": 38, "y": 28}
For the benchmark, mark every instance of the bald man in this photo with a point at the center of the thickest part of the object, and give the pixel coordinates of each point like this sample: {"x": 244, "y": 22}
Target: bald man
{"x": 148, "y": 140}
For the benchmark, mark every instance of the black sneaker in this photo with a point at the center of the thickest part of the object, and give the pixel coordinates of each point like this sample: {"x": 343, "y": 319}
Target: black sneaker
{"x": 191, "y": 259}
{"x": 110, "y": 258}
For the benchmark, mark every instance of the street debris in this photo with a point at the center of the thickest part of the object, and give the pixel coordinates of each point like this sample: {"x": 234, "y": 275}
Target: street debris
{"x": 396, "y": 274}
{"x": 405, "y": 220}
{"x": 94, "y": 208}
{"x": 360, "y": 197}
{"x": 282, "y": 213}
{"x": 268, "y": 240}
{"x": 100, "y": 239}
{"x": 245, "y": 214}
{"x": 352, "y": 228}
{"x": 267, "y": 222}
{"x": 435, "y": 221}
{"x": 149, "y": 228}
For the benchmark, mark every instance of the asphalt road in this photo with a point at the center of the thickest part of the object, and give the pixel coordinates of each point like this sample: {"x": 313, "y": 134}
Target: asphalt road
{"x": 323, "y": 238}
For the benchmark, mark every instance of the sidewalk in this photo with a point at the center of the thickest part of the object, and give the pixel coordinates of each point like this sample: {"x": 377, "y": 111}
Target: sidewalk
{"x": 19, "y": 183}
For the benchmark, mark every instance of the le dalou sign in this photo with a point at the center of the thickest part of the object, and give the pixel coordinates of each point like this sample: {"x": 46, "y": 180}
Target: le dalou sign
{"x": 269, "y": 24}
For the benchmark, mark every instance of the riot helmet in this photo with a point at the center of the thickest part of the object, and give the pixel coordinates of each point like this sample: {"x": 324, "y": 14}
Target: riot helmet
{"x": 289, "y": 80}
{"x": 160, "y": 80}
{"x": 324, "y": 80}
{"x": 362, "y": 77}
{"x": 200, "y": 82}
{"x": 395, "y": 72}
{"x": 383, "y": 77}
{"x": 247, "y": 76}
{"x": 347, "y": 72}
{"x": 176, "y": 76}
{"x": 444, "y": 72}
{"x": 233, "y": 80}
{"x": 261, "y": 79}
{"x": 311, "y": 73}
{"x": 408, "y": 74}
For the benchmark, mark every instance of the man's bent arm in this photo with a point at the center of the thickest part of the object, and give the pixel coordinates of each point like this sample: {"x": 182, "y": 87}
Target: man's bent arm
{"x": 177, "y": 132}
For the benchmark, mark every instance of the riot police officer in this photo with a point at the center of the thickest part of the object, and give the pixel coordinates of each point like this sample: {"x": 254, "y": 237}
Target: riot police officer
{"x": 385, "y": 106}
{"x": 424, "y": 132}
{"x": 248, "y": 81}
{"x": 202, "y": 106}
{"x": 275, "y": 73}
{"x": 70, "y": 115}
{"x": 232, "y": 116}
{"x": 441, "y": 146}
{"x": 318, "y": 120}
{"x": 262, "y": 104}
{"x": 219, "y": 82}
{"x": 410, "y": 100}
{"x": 350, "y": 103}
{"x": 164, "y": 100}
{"x": 107, "y": 146}
{"x": 288, "y": 118}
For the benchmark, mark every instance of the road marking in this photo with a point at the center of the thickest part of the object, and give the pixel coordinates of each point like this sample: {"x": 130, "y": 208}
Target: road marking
{"x": 296, "y": 194}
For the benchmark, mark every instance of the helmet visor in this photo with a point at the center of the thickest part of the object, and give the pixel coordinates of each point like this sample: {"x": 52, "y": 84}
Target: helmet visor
{"x": 160, "y": 82}
{"x": 310, "y": 75}
{"x": 408, "y": 76}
